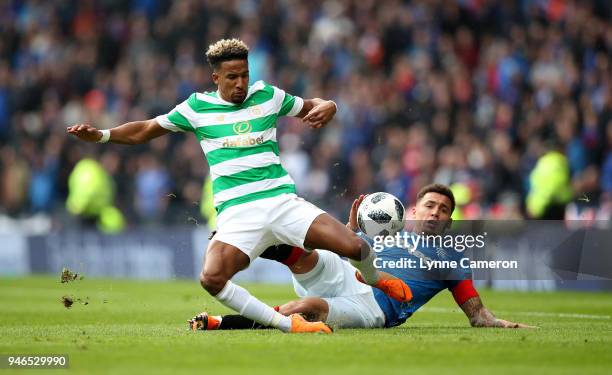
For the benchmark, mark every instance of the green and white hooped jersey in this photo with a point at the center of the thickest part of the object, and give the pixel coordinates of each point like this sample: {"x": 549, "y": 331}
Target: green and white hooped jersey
{"x": 239, "y": 141}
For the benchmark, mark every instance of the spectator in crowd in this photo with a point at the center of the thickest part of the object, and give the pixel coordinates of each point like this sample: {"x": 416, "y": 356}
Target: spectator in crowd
{"x": 457, "y": 92}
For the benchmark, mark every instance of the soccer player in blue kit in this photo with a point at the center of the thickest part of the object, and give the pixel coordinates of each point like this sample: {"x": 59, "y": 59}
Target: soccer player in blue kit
{"x": 331, "y": 291}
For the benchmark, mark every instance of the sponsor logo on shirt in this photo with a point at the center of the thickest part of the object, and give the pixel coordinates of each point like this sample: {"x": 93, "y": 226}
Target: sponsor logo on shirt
{"x": 242, "y": 128}
{"x": 243, "y": 141}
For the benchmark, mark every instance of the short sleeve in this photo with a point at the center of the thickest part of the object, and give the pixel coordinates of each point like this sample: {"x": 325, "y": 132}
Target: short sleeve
{"x": 455, "y": 275}
{"x": 176, "y": 119}
{"x": 291, "y": 105}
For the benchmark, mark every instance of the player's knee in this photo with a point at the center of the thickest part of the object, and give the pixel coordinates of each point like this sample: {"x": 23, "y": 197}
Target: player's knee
{"x": 311, "y": 311}
{"x": 212, "y": 282}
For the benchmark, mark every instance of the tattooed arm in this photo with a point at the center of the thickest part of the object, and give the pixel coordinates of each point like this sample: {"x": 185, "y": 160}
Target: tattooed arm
{"x": 480, "y": 316}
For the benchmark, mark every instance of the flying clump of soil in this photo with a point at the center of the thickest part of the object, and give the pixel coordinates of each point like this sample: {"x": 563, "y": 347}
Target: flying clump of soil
{"x": 68, "y": 300}
{"x": 68, "y": 276}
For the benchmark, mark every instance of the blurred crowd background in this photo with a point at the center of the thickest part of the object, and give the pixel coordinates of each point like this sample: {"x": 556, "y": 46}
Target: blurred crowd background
{"x": 509, "y": 102}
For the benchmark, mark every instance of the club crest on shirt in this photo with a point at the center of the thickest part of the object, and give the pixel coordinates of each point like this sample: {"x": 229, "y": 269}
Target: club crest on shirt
{"x": 242, "y": 127}
{"x": 441, "y": 253}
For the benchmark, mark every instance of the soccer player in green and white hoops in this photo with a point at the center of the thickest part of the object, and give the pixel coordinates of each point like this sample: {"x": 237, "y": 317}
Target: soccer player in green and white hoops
{"x": 254, "y": 196}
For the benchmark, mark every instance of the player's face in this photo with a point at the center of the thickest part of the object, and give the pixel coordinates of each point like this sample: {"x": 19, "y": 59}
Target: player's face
{"x": 232, "y": 80}
{"x": 432, "y": 213}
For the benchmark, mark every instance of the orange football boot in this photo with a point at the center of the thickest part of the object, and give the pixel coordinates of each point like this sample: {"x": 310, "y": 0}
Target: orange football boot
{"x": 300, "y": 325}
{"x": 390, "y": 285}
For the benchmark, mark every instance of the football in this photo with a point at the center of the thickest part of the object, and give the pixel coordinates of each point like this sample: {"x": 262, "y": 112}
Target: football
{"x": 380, "y": 214}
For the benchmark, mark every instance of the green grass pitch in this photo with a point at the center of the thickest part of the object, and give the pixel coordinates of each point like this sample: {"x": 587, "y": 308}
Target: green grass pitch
{"x": 139, "y": 328}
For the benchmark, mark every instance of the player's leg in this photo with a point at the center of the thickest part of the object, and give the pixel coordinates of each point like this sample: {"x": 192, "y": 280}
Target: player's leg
{"x": 347, "y": 303}
{"x": 325, "y": 232}
{"x": 312, "y": 308}
{"x": 358, "y": 311}
{"x": 205, "y": 322}
{"x": 242, "y": 235}
{"x": 300, "y": 223}
{"x": 222, "y": 262}
{"x": 295, "y": 258}
{"x": 343, "y": 301}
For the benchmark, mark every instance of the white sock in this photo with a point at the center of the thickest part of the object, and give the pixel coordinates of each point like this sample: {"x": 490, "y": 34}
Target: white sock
{"x": 239, "y": 299}
{"x": 369, "y": 273}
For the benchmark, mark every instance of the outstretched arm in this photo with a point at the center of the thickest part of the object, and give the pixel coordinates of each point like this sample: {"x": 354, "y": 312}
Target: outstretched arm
{"x": 480, "y": 316}
{"x": 317, "y": 112}
{"x": 130, "y": 133}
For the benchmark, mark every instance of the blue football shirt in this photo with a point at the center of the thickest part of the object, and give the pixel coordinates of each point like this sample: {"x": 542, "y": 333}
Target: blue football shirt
{"x": 424, "y": 283}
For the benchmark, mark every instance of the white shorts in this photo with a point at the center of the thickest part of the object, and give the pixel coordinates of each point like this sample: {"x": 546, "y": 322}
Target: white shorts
{"x": 254, "y": 226}
{"x": 351, "y": 303}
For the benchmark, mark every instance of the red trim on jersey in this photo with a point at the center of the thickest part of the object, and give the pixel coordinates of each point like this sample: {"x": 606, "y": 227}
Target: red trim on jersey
{"x": 296, "y": 253}
{"x": 463, "y": 291}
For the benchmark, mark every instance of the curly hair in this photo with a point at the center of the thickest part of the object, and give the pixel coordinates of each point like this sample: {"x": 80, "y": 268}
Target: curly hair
{"x": 226, "y": 50}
